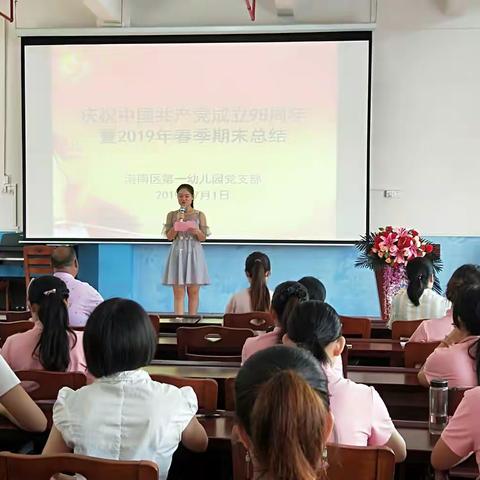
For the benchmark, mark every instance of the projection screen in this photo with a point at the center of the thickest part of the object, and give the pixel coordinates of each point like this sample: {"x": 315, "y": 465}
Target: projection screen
{"x": 272, "y": 131}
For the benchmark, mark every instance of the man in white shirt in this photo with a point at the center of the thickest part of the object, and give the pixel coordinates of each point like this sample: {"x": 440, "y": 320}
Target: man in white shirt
{"x": 82, "y": 298}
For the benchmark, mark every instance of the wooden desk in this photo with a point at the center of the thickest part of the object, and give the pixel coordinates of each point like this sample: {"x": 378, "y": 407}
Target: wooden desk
{"x": 219, "y": 429}
{"x": 416, "y": 434}
{"x": 169, "y": 322}
{"x": 219, "y": 371}
{"x": 380, "y": 329}
{"x": 417, "y": 437}
{"x": 379, "y": 376}
{"x": 369, "y": 348}
{"x": 361, "y": 348}
{"x": 398, "y": 387}
{"x": 375, "y": 376}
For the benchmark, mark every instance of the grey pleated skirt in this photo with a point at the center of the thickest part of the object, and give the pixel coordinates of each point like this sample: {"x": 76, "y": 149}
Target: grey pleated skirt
{"x": 186, "y": 263}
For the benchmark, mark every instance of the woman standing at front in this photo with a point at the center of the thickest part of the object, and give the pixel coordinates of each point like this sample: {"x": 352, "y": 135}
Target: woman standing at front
{"x": 186, "y": 268}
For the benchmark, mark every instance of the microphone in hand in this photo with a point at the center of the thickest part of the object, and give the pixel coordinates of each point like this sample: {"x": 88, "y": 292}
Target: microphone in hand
{"x": 181, "y": 214}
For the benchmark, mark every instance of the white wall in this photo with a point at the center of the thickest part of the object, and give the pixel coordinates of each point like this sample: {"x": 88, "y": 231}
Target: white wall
{"x": 426, "y": 117}
{"x": 425, "y": 94}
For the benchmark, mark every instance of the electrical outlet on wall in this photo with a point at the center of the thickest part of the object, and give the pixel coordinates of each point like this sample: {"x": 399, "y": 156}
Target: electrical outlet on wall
{"x": 391, "y": 193}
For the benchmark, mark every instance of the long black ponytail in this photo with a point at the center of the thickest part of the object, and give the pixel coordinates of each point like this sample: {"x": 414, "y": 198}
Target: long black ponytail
{"x": 49, "y": 293}
{"x": 257, "y": 265}
{"x": 313, "y": 325}
{"x": 419, "y": 273}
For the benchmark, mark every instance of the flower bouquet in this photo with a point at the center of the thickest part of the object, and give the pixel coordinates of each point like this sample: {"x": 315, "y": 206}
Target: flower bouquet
{"x": 387, "y": 252}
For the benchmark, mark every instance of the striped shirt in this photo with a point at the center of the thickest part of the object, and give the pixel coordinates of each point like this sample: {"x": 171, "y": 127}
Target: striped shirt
{"x": 432, "y": 305}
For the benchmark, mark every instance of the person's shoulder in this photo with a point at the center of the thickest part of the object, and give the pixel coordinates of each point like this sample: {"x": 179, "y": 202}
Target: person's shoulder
{"x": 86, "y": 286}
{"x": 18, "y": 337}
{"x": 472, "y": 397}
{"x": 420, "y": 334}
{"x": 252, "y": 345}
{"x": 8, "y": 379}
{"x": 400, "y": 296}
{"x": 430, "y": 292}
{"x": 400, "y": 293}
{"x": 441, "y": 358}
{"x": 241, "y": 293}
{"x": 358, "y": 390}
{"x": 171, "y": 214}
{"x": 171, "y": 395}
{"x": 77, "y": 338}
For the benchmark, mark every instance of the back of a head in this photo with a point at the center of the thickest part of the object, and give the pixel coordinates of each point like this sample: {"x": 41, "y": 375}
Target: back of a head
{"x": 465, "y": 275}
{"x": 285, "y": 298}
{"x": 466, "y": 315}
{"x": 314, "y": 325}
{"x": 257, "y": 265}
{"x": 419, "y": 273}
{"x": 118, "y": 337}
{"x": 466, "y": 309}
{"x": 316, "y": 289}
{"x": 63, "y": 257}
{"x": 282, "y": 404}
{"x": 47, "y": 295}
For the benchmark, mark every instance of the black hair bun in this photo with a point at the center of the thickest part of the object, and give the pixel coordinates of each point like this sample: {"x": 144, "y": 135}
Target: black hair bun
{"x": 296, "y": 290}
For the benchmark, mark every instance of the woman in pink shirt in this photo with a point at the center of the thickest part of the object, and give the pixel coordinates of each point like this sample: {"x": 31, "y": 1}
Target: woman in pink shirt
{"x": 361, "y": 417}
{"x": 256, "y": 298}
{"x": 457, "y": 358}
{"x": 51, "y": 344}
{"x": 462, "y": 434}
{"x": 285, "y": 298}
{"x": 436, "y": 329}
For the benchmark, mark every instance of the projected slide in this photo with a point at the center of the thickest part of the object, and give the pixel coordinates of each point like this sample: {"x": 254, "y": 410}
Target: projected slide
{"x": 272, "y": 136}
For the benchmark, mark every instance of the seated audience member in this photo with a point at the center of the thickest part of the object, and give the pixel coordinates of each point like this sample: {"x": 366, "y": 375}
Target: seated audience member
{"x": 361, "y": 417}
{"x": 51, "y": 344}
{"x": 124, "y": 415}
{"x": 282, "y": 414}
{"x": 16, "y": 404}
{"x": 83, "y": 298}
{"x": 457, "y": 358}
{"x": 256, "y": 298}
{"x": 436, "y": 329}
{"x": 418, "y": 301}
{"x": 316, "y": 289}
{"x": 461, "y": 436}
{"x": 284, "y": 299}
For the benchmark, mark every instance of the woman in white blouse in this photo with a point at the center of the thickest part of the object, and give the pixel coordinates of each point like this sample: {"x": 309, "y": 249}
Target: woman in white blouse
{"x": 123, "y": 414}
{"x": 418, "y": 301}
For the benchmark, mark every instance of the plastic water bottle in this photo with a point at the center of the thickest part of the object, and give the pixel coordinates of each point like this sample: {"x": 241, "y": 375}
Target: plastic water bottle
{"x": 438, "y": 406}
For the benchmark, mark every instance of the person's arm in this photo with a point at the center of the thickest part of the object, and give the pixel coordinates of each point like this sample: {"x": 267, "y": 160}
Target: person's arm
{"x": 230, "y": 308}
{"x": 460, "y": 437}
{"x": 194, "y": 437}
{"x": 383, "y": 431}
{"x": 435, "y": 366}
{"x": 455, "y": 336}
{"x": 442, "y": 457}
{"x": 201, "y": 232}
{"x": 20, "y": 409}
{"x": 398, "y": 445}
{"x": 55, "y": 443}
{"x": 171, "y": 232}
{"x": 422, "y": 379}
